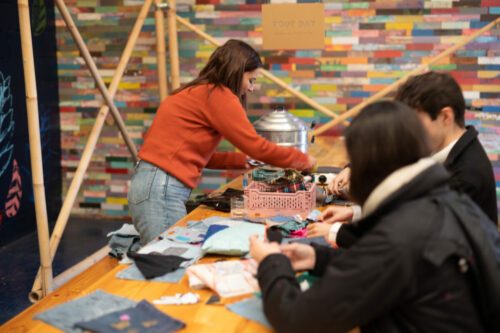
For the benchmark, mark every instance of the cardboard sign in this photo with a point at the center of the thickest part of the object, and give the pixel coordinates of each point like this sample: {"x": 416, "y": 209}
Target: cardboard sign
{"x": 293, "y": 26}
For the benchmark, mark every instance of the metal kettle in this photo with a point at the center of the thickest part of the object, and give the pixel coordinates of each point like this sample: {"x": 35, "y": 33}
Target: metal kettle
{"x": 284, "y": 129}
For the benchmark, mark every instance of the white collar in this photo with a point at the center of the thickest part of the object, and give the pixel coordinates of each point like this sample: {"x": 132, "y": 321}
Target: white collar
{"x": 442, "y": 155}
{"x": 394, "y": 182}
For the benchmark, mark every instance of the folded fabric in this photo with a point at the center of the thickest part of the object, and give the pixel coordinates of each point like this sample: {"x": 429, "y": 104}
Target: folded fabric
{"x": 153, "y": 265}
{"x": 85, "y": 308}
{"x": 288, "y": 228}
{"x": 144, "y": 318}
{"x": 301, "y": 233}
{"x": 227, "y": 278}
{"x": 213, "y": 229}
{"x": 123, "y": 240}
{"x": 233, "y": 240}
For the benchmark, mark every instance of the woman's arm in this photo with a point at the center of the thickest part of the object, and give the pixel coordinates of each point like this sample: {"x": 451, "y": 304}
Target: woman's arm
{"x": 228, "y": 117}
{"x": 356, "y": 287}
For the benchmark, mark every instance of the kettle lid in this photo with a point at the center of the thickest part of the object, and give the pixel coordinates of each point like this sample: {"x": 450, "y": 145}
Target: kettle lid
{"x": 280, "y": 120}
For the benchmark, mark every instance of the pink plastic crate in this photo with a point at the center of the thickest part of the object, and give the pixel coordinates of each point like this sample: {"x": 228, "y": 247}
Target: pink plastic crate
{"x": 259, "y": 203}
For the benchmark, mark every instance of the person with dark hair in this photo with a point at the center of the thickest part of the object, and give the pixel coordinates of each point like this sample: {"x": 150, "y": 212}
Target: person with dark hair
{"x": 186, "y": 131}
{"x": 439, "y": 102}
{"x": 421, "y": 261}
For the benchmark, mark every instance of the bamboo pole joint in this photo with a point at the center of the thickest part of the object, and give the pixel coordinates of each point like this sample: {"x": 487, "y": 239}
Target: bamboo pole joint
{"x": 162, "y": 6}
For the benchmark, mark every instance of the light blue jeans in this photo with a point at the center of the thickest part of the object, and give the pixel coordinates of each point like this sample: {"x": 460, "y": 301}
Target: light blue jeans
{"x": 156, "y": 200}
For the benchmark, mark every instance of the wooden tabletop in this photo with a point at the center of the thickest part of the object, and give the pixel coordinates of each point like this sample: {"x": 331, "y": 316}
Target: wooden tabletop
{"x": 198, "y": 317}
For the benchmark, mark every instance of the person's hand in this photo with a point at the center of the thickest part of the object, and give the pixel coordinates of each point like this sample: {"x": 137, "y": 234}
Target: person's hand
{"x": 311, "y": 163}
{"x": 341, "y": 182}
{"x": 302, "y": 256}
{"x": 336, "y": 214}
{"x": 259, "y": 249}
{"x": 318, "y": 229}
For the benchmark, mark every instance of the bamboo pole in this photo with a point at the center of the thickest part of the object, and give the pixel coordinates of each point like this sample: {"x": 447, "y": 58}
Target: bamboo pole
{"x": 35, "y": 147}
{"x": 76, "y": 183}
{"x": 382, "y": 93}
{"x": 264, "y": 72}
{"x": 80, "y": 267}
{"x": 173, "y": 47}
{"x": 95, "y": 73}
{"x": 161, "y": 57}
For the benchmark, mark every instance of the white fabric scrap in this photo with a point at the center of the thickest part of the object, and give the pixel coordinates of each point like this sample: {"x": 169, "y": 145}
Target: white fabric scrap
{"x": 178, "y": 299}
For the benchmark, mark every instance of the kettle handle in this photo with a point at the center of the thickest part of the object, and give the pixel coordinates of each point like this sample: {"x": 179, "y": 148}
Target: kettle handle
{"x": 313, "y": 137}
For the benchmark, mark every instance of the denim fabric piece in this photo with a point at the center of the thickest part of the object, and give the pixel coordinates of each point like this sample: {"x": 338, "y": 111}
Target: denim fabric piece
{"x": 156, "y": 200}
{"x": 144, "y": 318}
{"x": 251, "y": 309}
{"x": 133, "y": 273}
{"x": 281, "y": 219}
{"x": 85, "y": 308}
{"x": 120, "y": 245}
{"x": 233, "y": 240}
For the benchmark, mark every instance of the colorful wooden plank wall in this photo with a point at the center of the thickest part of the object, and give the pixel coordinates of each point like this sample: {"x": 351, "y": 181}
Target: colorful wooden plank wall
{"x": 369, "y": 44}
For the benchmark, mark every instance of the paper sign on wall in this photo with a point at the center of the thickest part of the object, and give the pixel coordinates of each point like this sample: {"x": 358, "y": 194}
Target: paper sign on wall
{"x": 293, "y": 26}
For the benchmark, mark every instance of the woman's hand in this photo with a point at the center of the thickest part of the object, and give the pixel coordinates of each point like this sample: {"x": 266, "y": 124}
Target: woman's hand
{"x": 318, "y": 229}
{"x": 311, "y": 163}
{"x": 259, "y": 249}
{"x": 336, "y": 214}
{"x": 302, "y": 256}
{"x": 340, "y": 184}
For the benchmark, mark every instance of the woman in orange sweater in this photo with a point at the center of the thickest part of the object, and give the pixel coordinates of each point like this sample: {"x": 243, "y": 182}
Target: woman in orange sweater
{"x": 186, "y": 131}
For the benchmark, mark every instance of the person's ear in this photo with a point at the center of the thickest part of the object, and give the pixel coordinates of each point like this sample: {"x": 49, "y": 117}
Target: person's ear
{"x": 448, "y": 116}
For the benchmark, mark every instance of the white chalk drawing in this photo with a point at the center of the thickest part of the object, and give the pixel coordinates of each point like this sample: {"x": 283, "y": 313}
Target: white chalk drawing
{"x": 6, "y": 124}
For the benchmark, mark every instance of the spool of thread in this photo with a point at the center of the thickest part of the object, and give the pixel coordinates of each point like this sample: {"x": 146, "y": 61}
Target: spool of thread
{"x": 325, "y": 178}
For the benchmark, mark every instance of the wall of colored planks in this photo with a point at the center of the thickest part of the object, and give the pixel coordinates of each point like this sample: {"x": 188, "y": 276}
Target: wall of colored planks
{"x": 369, "y": 44}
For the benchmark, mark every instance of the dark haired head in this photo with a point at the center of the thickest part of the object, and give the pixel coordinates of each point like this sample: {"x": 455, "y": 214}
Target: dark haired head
{"x": 431, "y": 92}
{"x": 384, "y": 137}
{"x": 227, "y": 65}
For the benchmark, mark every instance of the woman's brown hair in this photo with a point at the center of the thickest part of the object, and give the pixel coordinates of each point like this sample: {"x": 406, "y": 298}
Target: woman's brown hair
{"x": 384, "y": 137}
{"x": 226, "y": 66}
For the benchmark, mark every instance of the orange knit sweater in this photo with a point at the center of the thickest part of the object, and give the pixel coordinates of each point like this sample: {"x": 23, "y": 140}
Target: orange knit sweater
{"x": 188, "y": 127}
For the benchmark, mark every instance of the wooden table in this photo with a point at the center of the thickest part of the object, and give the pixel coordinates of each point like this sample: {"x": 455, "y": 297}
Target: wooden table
{"x": 198, "y": 317}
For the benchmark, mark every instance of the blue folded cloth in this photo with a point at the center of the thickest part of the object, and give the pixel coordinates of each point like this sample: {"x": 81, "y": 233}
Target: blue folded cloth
{"x": 233, "y": 241}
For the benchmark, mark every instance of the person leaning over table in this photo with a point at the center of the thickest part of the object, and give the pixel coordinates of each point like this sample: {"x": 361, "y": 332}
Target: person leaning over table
{"x": 407, "y": 270}
{"x": 440, "y": 104}
{"x": 186, "y": 131}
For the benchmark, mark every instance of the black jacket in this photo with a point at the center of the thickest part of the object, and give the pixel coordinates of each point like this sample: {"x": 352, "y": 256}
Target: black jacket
{"x": 472, "y": 173}
{"x": 402, "y": 273}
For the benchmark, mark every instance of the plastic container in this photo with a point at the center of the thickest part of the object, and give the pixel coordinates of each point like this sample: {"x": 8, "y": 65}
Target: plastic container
{"x": 260, "y": 203}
